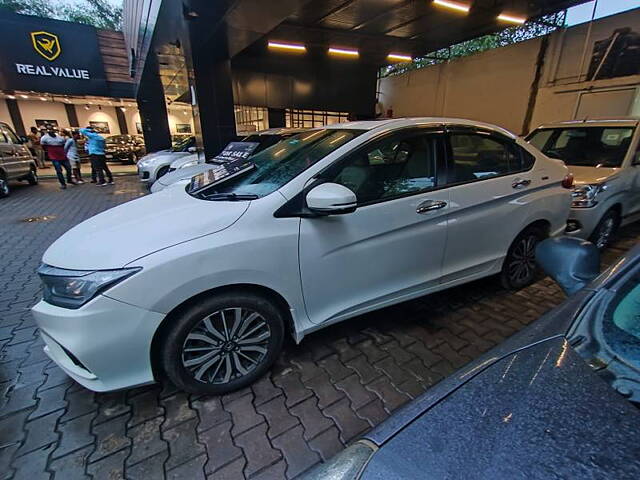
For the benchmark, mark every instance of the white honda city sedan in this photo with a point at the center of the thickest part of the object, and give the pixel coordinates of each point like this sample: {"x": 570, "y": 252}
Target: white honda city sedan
{"x": 325, "y": 225}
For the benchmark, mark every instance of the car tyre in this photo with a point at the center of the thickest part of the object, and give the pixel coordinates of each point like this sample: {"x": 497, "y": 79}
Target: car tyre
{"x": 4, "y": 188}
{"x": 606, "y": 229}
{"x": 133, "y": 159}
{"x": 222, "y": 343}
{"x": 32, "y": 178}
{"x": 519, "y": 269}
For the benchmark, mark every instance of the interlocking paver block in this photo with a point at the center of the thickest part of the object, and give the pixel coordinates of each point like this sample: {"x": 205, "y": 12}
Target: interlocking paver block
{"x": 72, "y": 466}
{"x": 146, "y": 441}
{"x": 40, "y": 433}
{"x": 371, "y": 351}
{"x": 109, "y": 468}
{"x": 335, "y": 368}
{"x": 296, "y": 452}
{"x": 79, "y": 403}
{"x": 193, "y": 470}
{"x": 148, "y": 469}
{"x": 349, "y": 424}
{"x": 264, "y": 390}
{"x": 324, "y": 389}
{"x": 110, "y": 438}
{"x": 177, "y": 410}
{"x": 385, "y": 390}
{"x": 373, "y": 412}
{"x": 111, "y": 405}
{"x": 183, "y": 443}
{"x": 244, "y": 414}
{"x": 49, "y": 401}
{"x": 210, "y": 412}
{"x": 220, "y": 448}
{"x": 257, "y": 449}
{"x": 33, "y": 465}
{"x": 294, "y": 389}
{"x": 311, "y": 417}
{"x": 75, "y": 434}
{"x": 277, "y": 415}
{"x": 364, "y": 369}
{"x": 327, "y": 444}
{"x": 233, "y": 471}
{"x": 145, "y": 407}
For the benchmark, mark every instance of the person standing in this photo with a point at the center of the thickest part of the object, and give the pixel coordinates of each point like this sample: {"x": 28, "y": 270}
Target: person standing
{"x": 95, "y": 143}
{"x": 71, "y": 149}
{"x": 53, "y": 144}
{"x": 35, "y": 147}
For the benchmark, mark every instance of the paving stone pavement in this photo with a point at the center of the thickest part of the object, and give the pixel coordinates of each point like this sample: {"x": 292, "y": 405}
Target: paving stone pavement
{"x": 319, "y": 396}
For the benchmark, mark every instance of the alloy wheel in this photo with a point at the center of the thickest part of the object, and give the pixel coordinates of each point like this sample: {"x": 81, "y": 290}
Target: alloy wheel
{"x": 4, "y": 188}
{"x": 226, "y": 345}
{"x": 523, "y": 260}
{"x": 605, "y": 232}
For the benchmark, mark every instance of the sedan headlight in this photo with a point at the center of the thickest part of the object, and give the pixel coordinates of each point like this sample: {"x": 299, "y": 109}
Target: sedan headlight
{"x": 584, "y": 196}
{"x": 74, "y": 288}
{"x": 189, "y": 164}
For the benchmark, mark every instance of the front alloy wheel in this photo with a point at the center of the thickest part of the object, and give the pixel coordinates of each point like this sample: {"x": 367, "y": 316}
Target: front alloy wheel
{"x": 606, "y": 229}
{"x": 222, "y": 343}
{"x": 4, "y": 188}
{"x": 226, "y": 345}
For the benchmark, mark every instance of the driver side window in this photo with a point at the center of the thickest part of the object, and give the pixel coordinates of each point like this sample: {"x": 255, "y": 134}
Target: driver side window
{"x": 390, "y": 168}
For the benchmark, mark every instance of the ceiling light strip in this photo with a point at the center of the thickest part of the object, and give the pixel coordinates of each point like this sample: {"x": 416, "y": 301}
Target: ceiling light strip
{"x": 343, "y": 51}
{"x": 287, "y": 46}
{"x": 511, "y": 18}
{"x": 397, "y": 57}
{"x": 460, "y": 7}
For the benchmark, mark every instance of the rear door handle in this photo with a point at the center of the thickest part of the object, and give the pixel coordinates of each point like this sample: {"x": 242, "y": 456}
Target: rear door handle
{"x": 521, "y": 183}
{"x": 429, "y": 206}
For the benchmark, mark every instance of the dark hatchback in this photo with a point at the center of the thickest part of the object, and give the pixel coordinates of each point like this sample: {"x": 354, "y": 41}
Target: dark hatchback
{"x": 557, "y": 400}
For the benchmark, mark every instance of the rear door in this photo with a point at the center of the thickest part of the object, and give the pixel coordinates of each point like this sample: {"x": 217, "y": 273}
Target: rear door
{"x": 490, "y": 177}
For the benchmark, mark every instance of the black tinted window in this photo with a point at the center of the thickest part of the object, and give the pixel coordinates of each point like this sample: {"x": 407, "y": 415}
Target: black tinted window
{"x": 389, "y": 168}
{"x": 476, "y": 156}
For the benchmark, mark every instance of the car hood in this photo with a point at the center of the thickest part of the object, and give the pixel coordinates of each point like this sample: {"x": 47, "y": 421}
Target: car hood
{"x": 586, "y": 175}
{"x": 165, "y": 156}
{"x": 541, "y": 412}
{"x": 184, "y": 173}
{"x": 182, "y": 160}
{"x": 117, "y": 237}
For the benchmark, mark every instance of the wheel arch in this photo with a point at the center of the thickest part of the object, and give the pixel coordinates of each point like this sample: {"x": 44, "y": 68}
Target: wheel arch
{"x": 256, "y": 289}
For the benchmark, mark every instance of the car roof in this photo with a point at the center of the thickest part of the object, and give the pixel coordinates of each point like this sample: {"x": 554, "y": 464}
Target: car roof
{"x": 595, "y": 122}
{"x": 278, "y": 131}
{"x": 395, "y": 123}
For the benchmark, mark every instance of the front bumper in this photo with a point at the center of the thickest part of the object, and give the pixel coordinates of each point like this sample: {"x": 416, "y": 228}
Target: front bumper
{"x": 144, "y": 174}
{"x": 583, "y": 221}
{"x": 104, "y": 345}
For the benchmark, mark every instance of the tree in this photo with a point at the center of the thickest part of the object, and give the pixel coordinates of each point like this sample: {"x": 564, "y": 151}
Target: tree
{"x": 99, "y": 13}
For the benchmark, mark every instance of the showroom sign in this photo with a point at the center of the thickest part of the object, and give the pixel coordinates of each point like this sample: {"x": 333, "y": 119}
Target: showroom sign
{"x": 50, "y": 56}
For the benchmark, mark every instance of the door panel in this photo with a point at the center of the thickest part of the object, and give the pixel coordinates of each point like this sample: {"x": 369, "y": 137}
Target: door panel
{"x": 14, "y": 157}
{"x": 487, "y": 210}
{"x": 391, "y": 247}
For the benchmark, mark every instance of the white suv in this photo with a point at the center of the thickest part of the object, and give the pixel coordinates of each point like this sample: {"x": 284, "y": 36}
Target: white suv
{"x": 321, "y": 227}
{"x": 604, "y": 157}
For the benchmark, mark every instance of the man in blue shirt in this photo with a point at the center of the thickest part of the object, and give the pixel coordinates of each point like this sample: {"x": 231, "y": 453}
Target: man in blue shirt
{"x": 95, "y": 147}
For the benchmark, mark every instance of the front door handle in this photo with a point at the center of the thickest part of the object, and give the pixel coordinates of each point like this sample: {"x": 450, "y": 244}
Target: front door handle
{"x": 430, "y": 205}
{"x": 521, "y": 183}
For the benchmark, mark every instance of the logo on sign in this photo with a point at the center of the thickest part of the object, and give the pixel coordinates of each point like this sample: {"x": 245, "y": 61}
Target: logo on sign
{"x": 46, "y": 44}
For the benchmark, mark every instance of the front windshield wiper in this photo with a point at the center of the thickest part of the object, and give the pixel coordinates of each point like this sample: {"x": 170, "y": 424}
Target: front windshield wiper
{"x": 231, "y": 196}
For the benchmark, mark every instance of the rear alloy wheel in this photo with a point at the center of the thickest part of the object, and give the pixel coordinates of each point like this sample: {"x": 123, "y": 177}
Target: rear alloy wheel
{"x": 133, "y": 159}
{"x": 520, "y": 269}
{"x": 225, "y": 343}
{"x": 4, "y": 188}
{"x": 605, "y": 230}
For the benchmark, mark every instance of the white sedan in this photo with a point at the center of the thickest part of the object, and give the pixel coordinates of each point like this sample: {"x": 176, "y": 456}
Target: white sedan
{"x": 327, "y": 225}
{"x": 153, "y": 166}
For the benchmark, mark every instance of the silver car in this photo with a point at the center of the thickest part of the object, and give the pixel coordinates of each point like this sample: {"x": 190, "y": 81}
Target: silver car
{"x": 154, "y": 165}
{"x": 16, "y": 162}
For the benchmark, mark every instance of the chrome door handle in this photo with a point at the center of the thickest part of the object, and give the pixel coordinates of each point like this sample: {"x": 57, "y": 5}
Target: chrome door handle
{"x": 430, "y": 205}
{"x": 521, "y": 183}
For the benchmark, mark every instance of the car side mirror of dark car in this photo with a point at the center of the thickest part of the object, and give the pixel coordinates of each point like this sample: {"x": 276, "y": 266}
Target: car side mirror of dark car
{"x": 24, "y": 139}
{"x": 573, "y": 263}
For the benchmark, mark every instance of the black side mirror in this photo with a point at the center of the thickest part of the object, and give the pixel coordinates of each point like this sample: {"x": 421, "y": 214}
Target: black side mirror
{"x": 573, "y": 263}
{"x": 24, "y": 139}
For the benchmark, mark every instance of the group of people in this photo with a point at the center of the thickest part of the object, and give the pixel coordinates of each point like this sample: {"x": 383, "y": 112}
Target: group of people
{"x": 62, "y": 152}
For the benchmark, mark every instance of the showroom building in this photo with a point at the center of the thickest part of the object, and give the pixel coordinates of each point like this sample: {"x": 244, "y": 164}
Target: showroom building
{"x": 297, "y": 63}
{"x": 70, "y": 75}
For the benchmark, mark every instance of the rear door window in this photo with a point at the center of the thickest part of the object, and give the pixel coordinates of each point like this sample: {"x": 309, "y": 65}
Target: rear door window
{"x": 477, "y": 156}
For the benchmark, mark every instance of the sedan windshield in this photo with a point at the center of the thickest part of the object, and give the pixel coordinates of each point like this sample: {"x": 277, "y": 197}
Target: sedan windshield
{"x": 589, "y": 146}
{"x": 279, "y": 164}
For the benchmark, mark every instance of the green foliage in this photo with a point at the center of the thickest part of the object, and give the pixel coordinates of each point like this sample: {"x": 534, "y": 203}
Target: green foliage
{"x": 508, "y": 36}
{"x": 99, "y": 13}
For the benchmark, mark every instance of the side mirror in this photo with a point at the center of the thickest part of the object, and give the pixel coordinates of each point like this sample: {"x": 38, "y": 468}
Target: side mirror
{"x": 24, "y": 139}
{"x": 331, "y": 199}
{"x": 192, "y": 149}
{"x": 573, "y": 263}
